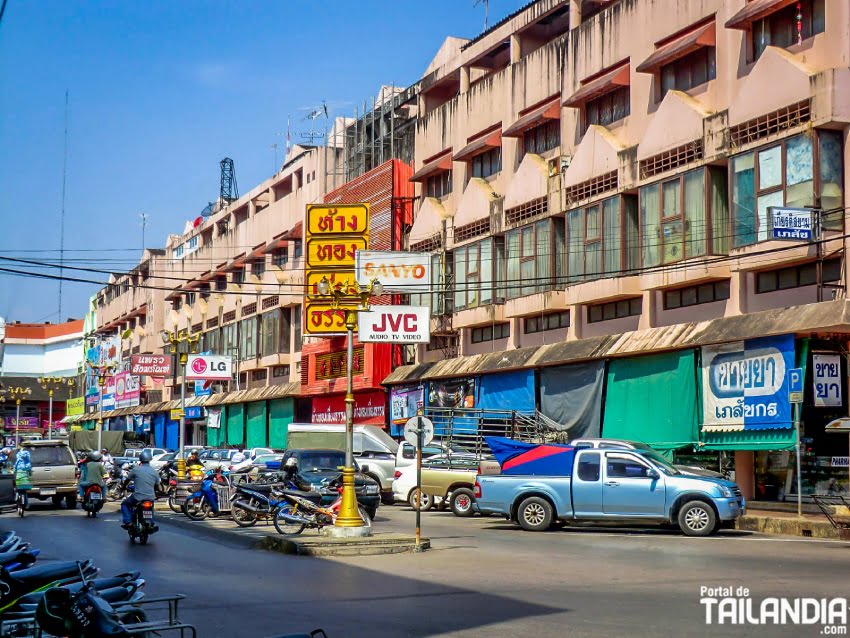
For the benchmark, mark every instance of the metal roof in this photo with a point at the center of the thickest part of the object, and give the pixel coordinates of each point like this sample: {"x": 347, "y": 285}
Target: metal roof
{"x": 829, "y": 316}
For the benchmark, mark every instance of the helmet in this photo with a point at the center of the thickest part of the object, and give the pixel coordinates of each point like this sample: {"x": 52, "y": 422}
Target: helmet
{"x": 96, "y": 456}
{"x": 145, "y": 456}
{"x": 292, "y": 462}
{"x": 104, "y": 451}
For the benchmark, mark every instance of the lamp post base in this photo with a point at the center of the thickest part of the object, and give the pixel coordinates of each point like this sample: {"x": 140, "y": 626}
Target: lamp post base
{"x": 348, "y": 516}
{"x": 181, "y": 469}
{"x": 347, "y": 532}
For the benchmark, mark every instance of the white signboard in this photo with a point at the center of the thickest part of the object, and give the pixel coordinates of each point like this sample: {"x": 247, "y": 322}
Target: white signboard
{"x": 791, "y": 223}
{"x": 397, "y": 271}
{"x": 207, "y": 366}
{"x": 827, "y": 380}
{"x": 395, "y": 324}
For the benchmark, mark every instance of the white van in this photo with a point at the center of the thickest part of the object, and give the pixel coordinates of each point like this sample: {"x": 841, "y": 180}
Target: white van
{"x": 374, "y": 449}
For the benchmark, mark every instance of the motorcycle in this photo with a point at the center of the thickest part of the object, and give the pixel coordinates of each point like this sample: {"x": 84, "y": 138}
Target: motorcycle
{"x": 116, "y": 485}
{"x": 142, "y": 525}
{"x": 255, "y": 501}
{"x": 93, "y": 500}
{"x": 300, "y": 513}
{"x": 205, "y": 502}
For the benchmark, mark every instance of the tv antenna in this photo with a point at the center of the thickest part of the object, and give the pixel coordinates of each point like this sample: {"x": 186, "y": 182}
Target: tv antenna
{"x": 314, "y": 115}
{"x": 144, "y": 217}
{"x": 486, "y": 4}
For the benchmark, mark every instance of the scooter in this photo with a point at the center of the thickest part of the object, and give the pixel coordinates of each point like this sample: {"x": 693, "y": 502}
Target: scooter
{"x": 255, "y": 501}
{"x": 142, "y": 526}
{"x": 300, "y": 512}
{"x": 93, "y": 500}
{"x": 204, "y": 502}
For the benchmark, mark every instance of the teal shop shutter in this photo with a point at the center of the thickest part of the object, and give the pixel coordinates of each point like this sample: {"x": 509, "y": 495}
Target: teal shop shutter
{"x": 281, "y": 414}
{"x": 256, "y": 422}
{"x": 235, "y": 424}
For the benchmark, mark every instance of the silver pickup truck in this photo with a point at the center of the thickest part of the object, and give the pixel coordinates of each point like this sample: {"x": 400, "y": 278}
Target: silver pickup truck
{"x": 611, "y": 485}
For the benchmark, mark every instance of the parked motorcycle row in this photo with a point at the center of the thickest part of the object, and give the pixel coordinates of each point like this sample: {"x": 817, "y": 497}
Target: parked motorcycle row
{"x": 272, "y": 497}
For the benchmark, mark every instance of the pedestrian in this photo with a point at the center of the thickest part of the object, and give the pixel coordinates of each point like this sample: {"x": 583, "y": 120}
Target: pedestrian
{"x": 23, "y": 474}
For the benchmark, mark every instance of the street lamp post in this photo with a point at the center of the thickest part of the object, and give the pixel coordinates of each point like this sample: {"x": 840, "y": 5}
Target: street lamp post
{"x": 50, "y": 384}
{"x": 349, "y": 516}
{"x": 104, "y": 371}
{"x": 17, "y": 392}
{"x": 182, "y": 343}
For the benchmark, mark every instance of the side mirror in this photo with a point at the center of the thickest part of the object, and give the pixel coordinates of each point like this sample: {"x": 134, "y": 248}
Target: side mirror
{"x": 653, "y": 474}
{"x": 364, "y": 469}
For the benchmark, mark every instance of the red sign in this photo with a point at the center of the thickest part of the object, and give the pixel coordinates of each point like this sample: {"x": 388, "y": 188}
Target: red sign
{"x": 369, "y": 408}
{"x": 152, "y": 365}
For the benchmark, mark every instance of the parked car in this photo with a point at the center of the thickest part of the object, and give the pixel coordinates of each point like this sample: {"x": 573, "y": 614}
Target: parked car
{"x": 268, "y": 462}
{"x": 603, "y": 485}
{"x": 160, "y": 460}
{"x": 131, "y": 455}
{"x": 254, "y": 452}
{"x": 54, "y": 471}
{"x": 406, "y": 454}
{"x": 603, "y": 444}
{"x": 453, "y": 480}
{"x": 217, "y": 458}
{"x": 373, "y": 447}
{"x": 404, "y": 488}
{"x": 318, "y": 467}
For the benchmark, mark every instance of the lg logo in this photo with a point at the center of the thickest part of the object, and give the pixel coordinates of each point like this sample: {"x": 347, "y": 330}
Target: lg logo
{"x": 199, "y": 366}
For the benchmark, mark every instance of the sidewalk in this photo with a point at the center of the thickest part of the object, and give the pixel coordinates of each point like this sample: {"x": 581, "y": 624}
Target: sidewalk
{"x": 788, "y": 524}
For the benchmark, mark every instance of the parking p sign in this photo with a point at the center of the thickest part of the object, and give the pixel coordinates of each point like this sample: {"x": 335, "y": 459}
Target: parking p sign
{"x": 795, "y": 385}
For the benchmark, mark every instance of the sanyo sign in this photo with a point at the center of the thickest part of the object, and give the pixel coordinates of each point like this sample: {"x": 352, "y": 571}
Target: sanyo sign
{"x": 395, "y": 324}
{"x": 397, "y": 271}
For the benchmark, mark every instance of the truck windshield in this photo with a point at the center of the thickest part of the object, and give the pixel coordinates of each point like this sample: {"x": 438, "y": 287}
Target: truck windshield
{"x": 663, "y": 464}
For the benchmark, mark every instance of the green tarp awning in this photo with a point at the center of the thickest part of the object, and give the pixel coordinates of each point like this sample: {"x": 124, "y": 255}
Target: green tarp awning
{"x": 256, "y": 425}
{"x": 653, "y": 399}
{"x": 750, "y": 440}
{"x": 281, "y": 414}
{"x": 235, "y": 424}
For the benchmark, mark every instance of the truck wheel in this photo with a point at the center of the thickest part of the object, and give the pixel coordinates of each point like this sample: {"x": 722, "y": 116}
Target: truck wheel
{"x": 697, "y": 519}
{"x": 427, "y": 500}
{"x": 535, "y": 514}
{"x": 71, "y": 501}
{"x": 57, "y": 500}
{"x": 462, "y": 502}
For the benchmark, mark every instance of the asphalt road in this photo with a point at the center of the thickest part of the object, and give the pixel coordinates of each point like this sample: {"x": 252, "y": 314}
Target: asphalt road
{"x": 483, "y": 578}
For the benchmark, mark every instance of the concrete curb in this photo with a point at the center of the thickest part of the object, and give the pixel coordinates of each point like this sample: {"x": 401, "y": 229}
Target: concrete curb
{"x": 788, "y": 526}
{"x": 379, "y": 544}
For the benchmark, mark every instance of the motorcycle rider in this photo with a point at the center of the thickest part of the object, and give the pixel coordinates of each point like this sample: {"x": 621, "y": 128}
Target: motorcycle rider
{"x": 107, "y": 459}
{"x": 83, "y": 465}
{"x": 95, "y": 473}
{"x": 23, "y": 474}
{"x": 146, "y": 482}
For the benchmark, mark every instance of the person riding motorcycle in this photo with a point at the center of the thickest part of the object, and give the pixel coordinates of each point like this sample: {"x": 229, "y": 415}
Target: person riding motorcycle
{"x": 23, "y": 474}
{"x": 194, "y": 467}
{"x": 95, "y": 473}
{"x": 107, "y": 459}
{"x": 83, "y": 466}
{"x": 146, "y": 482}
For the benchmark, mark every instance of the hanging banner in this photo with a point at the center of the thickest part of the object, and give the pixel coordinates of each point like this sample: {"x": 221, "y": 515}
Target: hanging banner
{"x": 127, "y": 390}
{"x": 152, "y": 365}
{"x": 395, "y": 324}
{"x": 397, "y": 271}
{"x": 406, "y": 402}
{"x": 203, "y": 388}
{"x": 826, "y": 379}
{"x": 369, "y": 408}
{"x": 745, "y": 385}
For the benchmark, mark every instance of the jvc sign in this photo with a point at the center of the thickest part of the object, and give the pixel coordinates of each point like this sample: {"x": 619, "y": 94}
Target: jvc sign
{"x": 204, "y": 366}
{"x": 396, "y": 324}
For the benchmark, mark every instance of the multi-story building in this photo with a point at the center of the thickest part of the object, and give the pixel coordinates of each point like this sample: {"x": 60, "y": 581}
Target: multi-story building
{"x": 596, "y": 179}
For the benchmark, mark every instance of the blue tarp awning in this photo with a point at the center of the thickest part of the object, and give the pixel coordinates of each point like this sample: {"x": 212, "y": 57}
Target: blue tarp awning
{"x": 519, "y": 458}
{"x": 507, "y": 391}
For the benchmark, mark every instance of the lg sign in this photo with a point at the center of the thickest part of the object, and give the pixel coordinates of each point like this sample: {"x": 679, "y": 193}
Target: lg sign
{"x": 209, "y": 367}
{"x": 395, "y": 324}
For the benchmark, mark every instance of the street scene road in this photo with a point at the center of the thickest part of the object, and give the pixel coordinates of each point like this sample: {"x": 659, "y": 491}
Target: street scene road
{"x": 483, "y": 577}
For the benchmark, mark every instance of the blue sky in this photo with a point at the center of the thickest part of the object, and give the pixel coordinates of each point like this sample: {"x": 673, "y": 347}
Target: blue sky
{"x": 159, "y": 93}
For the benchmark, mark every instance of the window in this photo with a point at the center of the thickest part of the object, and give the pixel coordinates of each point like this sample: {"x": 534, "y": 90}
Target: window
{"x": 588, "y": 467}
{"x": 542, "y": 138}
{"x": 221, "y": 283}
{"x": 238, "y": 277}
{"x": 177, "y": 253}
{"x": 439, "y": 185}
{"x": 609, "y": 108}
{"x": 487, "y": 163}
{"x": 248, "y": 338}
{"x": 296, "y": 324}
{"x": 477, "y": 269}
{"x": 258, "y": 268}
{"x": 230, "y": 339}
{"x": 192, "y": 244}
{"x": 280, "y": 257}
{"x": 204, "y": 290}
{"x": 675, "y": 217}
{"x": 780, "y": 29}
{"x": 688, "y": 72}
{"x": 491, "y": 333}
{"x": 177, "y": 304}
{"x": 296, "y": 248}
{"x": 797, "y": 276}
{"x": 695, "y": 295}
{"x": 615, "y": 310}
{"x": 602, "y": 239}
{"x": 784, "y": 175}
{"x": 551, "y": 321}
{"x": 190, "y": 298}
{"x": 626, "y": 468}
{"x": 260, "y": 375}
{"x": 435, "y": 298}
{"x": 212, "y": 341}
{"x": 535, "y": 258}
{"x": 280, "y": 371}
{"x": 270, "y": 334}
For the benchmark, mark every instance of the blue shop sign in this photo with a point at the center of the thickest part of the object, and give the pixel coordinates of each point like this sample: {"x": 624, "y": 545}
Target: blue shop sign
{"x": 791, "y": 223}
{"x": 194, "y": 413}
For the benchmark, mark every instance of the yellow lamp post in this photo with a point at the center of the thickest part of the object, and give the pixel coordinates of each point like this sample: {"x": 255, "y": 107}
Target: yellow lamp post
{"x": 182, "y": 343}
{"x": 103, "y": 371}
{"x": 348, "y": 511}
{"x": 17, "y": 393}
{"x": 51, "y": 384}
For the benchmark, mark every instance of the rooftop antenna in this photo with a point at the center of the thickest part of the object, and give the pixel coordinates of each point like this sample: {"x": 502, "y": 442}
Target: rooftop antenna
{"x": 144, "y": 218}
{"x": 314, "y": 115}
{"x": 486, "y": 4}
{"x": 228, "y": 190}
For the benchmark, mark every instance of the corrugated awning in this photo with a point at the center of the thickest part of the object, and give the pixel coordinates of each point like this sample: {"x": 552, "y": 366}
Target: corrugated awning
{"x": 704, "y": 36}
{"x": 549, "y": 110}
{"x": 442, "y": 163}
{"x": 484, "y": 143}
{"x": 828, "y": 316}
{"x": 755, "y": 10}
{"x": 595, "y": 87}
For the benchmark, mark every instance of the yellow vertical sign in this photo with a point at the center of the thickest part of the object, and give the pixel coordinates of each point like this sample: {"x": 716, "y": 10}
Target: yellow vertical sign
{"x": 334, "y": 233}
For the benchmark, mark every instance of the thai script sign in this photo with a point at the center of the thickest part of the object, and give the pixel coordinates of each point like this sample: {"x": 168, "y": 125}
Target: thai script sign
{"x": 205, "y": 366}
{"x": 152, "y": 365}
{"x": 791, "y": 223}
{"x": 826, "y": 376}
{"x": 75, "y": 406}
{"x": 127, "y": 390}
{"x": 397, "y": 271}
{"x": 332, "y": 365}
{"x": 333, "y": 253}
{"x": 322, "y": 319}
{"x": 745, "y": 385}
{"x": 369, "y": 407}
{"x": 395, "y": 324}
